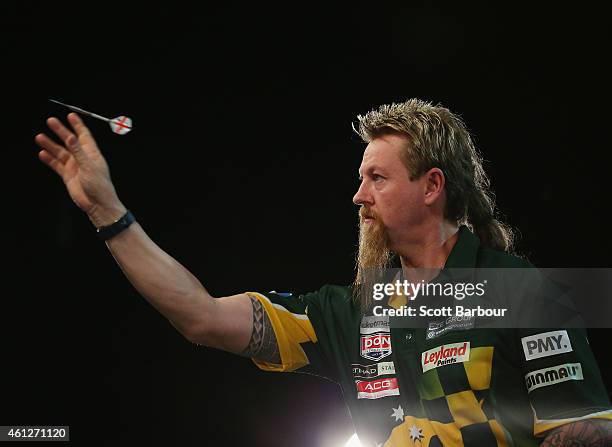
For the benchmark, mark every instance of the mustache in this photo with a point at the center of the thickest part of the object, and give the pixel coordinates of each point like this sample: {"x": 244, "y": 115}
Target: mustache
{"x": 366, "y": 213}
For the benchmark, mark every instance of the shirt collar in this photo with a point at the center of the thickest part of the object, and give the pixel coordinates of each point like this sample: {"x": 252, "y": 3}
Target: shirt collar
{"x": 464, "y": 254}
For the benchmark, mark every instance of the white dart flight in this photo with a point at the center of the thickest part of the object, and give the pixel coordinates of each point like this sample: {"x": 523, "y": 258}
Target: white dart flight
{"x": 121, "y": 124}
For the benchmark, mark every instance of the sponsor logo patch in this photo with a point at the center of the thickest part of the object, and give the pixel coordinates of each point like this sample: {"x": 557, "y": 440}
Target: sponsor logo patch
{"x": 373, "y": 370}
{"x": 376, "y": 346}
{"x": 437, "y": 328}
{"x": 445, "y": 355}
{"x": 552, "y": 375}
{"x": 546, "y": 344}
{"x": 375, "y": 389}
{"x": 373, "y": 324}
{"x": 435, "y": 325}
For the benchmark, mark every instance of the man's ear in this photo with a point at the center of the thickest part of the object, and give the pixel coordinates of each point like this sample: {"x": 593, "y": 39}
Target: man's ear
{"x": 434, "y": 185}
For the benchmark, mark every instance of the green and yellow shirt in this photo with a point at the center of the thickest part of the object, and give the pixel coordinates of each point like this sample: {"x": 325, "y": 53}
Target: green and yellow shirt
{"x": 450, "y": 384}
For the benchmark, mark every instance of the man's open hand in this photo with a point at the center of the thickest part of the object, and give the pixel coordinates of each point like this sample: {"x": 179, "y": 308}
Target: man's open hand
{"x": 82, "y": 168}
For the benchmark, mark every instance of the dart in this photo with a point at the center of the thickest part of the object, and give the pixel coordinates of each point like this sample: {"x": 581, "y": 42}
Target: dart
{"x": 120, "y": 125}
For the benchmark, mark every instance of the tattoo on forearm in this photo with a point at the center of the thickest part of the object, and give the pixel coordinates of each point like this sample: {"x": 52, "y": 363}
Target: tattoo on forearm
{"x": 263, "y": 344}
{"x": 587, "y": 433}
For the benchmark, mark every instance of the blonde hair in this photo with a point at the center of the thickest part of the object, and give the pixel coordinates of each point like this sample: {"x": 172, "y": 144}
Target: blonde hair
{"x": 439, "y": 138}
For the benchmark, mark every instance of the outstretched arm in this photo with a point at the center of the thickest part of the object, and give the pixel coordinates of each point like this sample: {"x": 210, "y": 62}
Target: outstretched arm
{"x": 231, "y": 323}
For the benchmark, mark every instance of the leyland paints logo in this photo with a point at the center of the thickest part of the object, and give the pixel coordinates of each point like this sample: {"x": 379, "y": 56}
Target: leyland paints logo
{"x": 376, "y": 346}
{"x": 445, "y": 355}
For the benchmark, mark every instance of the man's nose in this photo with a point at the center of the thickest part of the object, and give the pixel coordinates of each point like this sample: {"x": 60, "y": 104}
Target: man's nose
{"x": 361, "y": 196}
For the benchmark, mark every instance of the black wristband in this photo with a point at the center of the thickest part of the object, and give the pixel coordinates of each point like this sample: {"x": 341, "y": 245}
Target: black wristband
{"x": 116, "y": 227}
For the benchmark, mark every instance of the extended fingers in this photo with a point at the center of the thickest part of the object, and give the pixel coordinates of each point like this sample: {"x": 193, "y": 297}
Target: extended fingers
{"x": 78, "y": 125}
{"x": 60, "y": 130}
{"x": 52, "y": 147}
{"x": 47, "y": 158}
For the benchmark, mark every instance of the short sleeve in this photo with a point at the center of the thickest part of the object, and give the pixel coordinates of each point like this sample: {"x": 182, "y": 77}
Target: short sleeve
{"x": 562, "y": 378}
{"x": 292, "y": 321}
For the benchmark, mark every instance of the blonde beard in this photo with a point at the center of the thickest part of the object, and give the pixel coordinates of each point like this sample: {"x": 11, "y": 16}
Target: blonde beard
{"x": 372, "y": 258}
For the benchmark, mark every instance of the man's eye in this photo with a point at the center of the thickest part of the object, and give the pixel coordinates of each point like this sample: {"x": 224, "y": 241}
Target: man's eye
{"x": 377, "y": 177}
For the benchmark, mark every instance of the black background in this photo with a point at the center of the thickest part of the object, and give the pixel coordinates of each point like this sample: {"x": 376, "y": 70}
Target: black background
{"x": 242, "y": 165}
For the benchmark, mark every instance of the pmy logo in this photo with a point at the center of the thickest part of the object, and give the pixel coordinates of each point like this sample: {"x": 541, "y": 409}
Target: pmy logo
{"x": 546, "y": 344}
{"x": 376, "y": 346}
